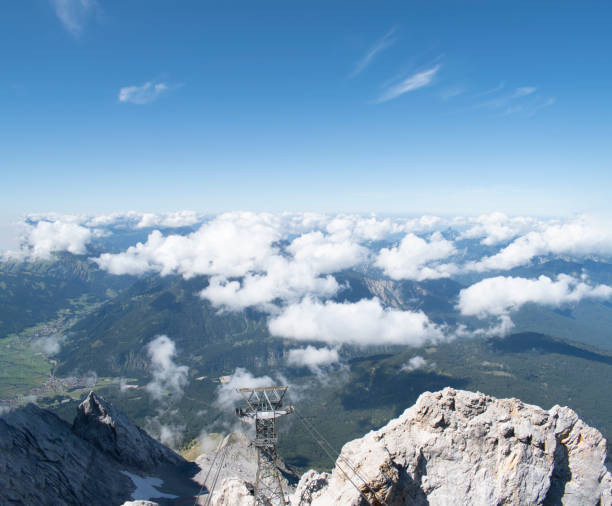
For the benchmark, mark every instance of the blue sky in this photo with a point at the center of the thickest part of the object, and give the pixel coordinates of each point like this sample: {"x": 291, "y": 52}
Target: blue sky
{"x": 406, "y": 107}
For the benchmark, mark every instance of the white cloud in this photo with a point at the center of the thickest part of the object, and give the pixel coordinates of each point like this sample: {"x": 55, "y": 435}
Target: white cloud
{"x": 523, "y": 91}
{"x": 360, "y": 228}
{"x": 244, "y": 246}
{"x": 283, "y": 279}
{"x": 147, "y": 93}
{"x": 414, "y": 82}
{"x": 230, "y": 245}
{"x": 496, "y": 227}
{"x": 385, "y": 42}
{"x": 414, "y": 363}
{"x": 424, "y": 223}
{"x": 291, "y": 276}
{"x": 300, "y": 223}
{"x": 227, "y": 394}
{"x": 47, "y": 237}
{"x": 171, "y": 435}
{"x": 313, "y": 358}
{"x": 49, "y": 345}
{"x": 166, "y": 428}
{"x": 169, "y": 220}
{"x": 580, "y": 237}
{"x": 363, "y": 323}
{"x": 128, "y": 219}
{"x": 326, "y": 254}
{"x": 74, "y": 14}
{"x": 168, "y": 377}
{"x": 415, "y": 258}
{"x": 503, "y": 327}
{"x": 501, "y": 295}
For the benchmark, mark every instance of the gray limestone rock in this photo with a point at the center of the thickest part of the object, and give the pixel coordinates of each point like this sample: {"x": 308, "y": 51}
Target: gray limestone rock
{"x": 465, "y": 448}
{"x": 103, "y": 459}
{"x": 116, "y": 435}
{"x": 42, "y": 462}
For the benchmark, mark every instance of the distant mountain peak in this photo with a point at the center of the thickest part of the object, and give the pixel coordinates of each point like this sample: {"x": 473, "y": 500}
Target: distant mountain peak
{"x": 97, "y": 461}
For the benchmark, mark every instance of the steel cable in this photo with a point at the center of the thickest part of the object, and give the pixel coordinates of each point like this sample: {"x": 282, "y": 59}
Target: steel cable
{"x": 301, "y": 419}
{"x": 344, "y": 459}
{"x": 212, "y": 489}
{"x": 208, "y": 473}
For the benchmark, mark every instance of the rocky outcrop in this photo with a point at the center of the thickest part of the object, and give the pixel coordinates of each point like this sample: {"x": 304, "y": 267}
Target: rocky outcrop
{"x": 97, "y": 461}
{"x": 43, "y": 462}
{"x": 240, "y": 461}
{"x": 233, "y": 492}
{"x": 117, "y": 436}
{"x": 457, "y": 447}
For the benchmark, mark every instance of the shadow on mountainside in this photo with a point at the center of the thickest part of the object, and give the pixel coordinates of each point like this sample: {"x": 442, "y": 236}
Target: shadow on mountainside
{"x": 532, "y": 341}
{"x": 376, "y": 388}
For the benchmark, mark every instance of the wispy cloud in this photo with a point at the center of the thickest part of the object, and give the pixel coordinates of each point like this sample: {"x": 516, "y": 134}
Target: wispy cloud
{"x": 502, "y": 101}
{"x": 491, "y": 91}
{"x": 524, "y": 91}
{"x": 414, "y": 82}
{"x": 381, "y": 44}
{"x": 148, "y": 92}
{"x": 74, "y": 13}
{"x": 524, "y": 100}
{"x": 449, "y": 93}
{"x": 529, "y": 108}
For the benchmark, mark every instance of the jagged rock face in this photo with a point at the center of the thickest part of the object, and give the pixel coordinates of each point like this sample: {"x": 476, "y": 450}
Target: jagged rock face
{"x": 240, "y": 461}
{"x": 457, "y": 447}
{"x": 98, "y": 461}
{"x": 233, "y": 492}
{"x": 43, "y": 462}
{"x": 114, "y": 434}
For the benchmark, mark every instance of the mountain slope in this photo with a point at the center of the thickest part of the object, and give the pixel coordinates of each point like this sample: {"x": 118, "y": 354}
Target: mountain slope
{"x": 46, "y": 461}
{"x": 112, "y": 339}
{"x": 33, "y": 292}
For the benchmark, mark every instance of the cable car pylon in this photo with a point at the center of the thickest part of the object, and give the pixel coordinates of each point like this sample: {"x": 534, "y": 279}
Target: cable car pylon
{"x": 263, "y": 406}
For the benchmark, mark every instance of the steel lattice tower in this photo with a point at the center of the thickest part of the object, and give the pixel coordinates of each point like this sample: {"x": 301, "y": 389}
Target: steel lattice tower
{"x": 264, "y": 406}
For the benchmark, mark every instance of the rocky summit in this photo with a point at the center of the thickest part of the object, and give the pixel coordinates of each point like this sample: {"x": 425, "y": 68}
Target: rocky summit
{"x": 458, "y": 447}
{"x": 103, "y": 459}
{"x": 114, "y": 434}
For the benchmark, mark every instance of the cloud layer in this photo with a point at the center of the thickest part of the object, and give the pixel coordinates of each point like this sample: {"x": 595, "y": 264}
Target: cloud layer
{"x": 416, "y": 258}
{"x": 497, "y": 228}
{"x": 292, "y": 265}
{"x": 501, "y": 295}
{"x": 580, "y": 237}
{"x": 39, "y": 241}
{"x": 365, "y": 322}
